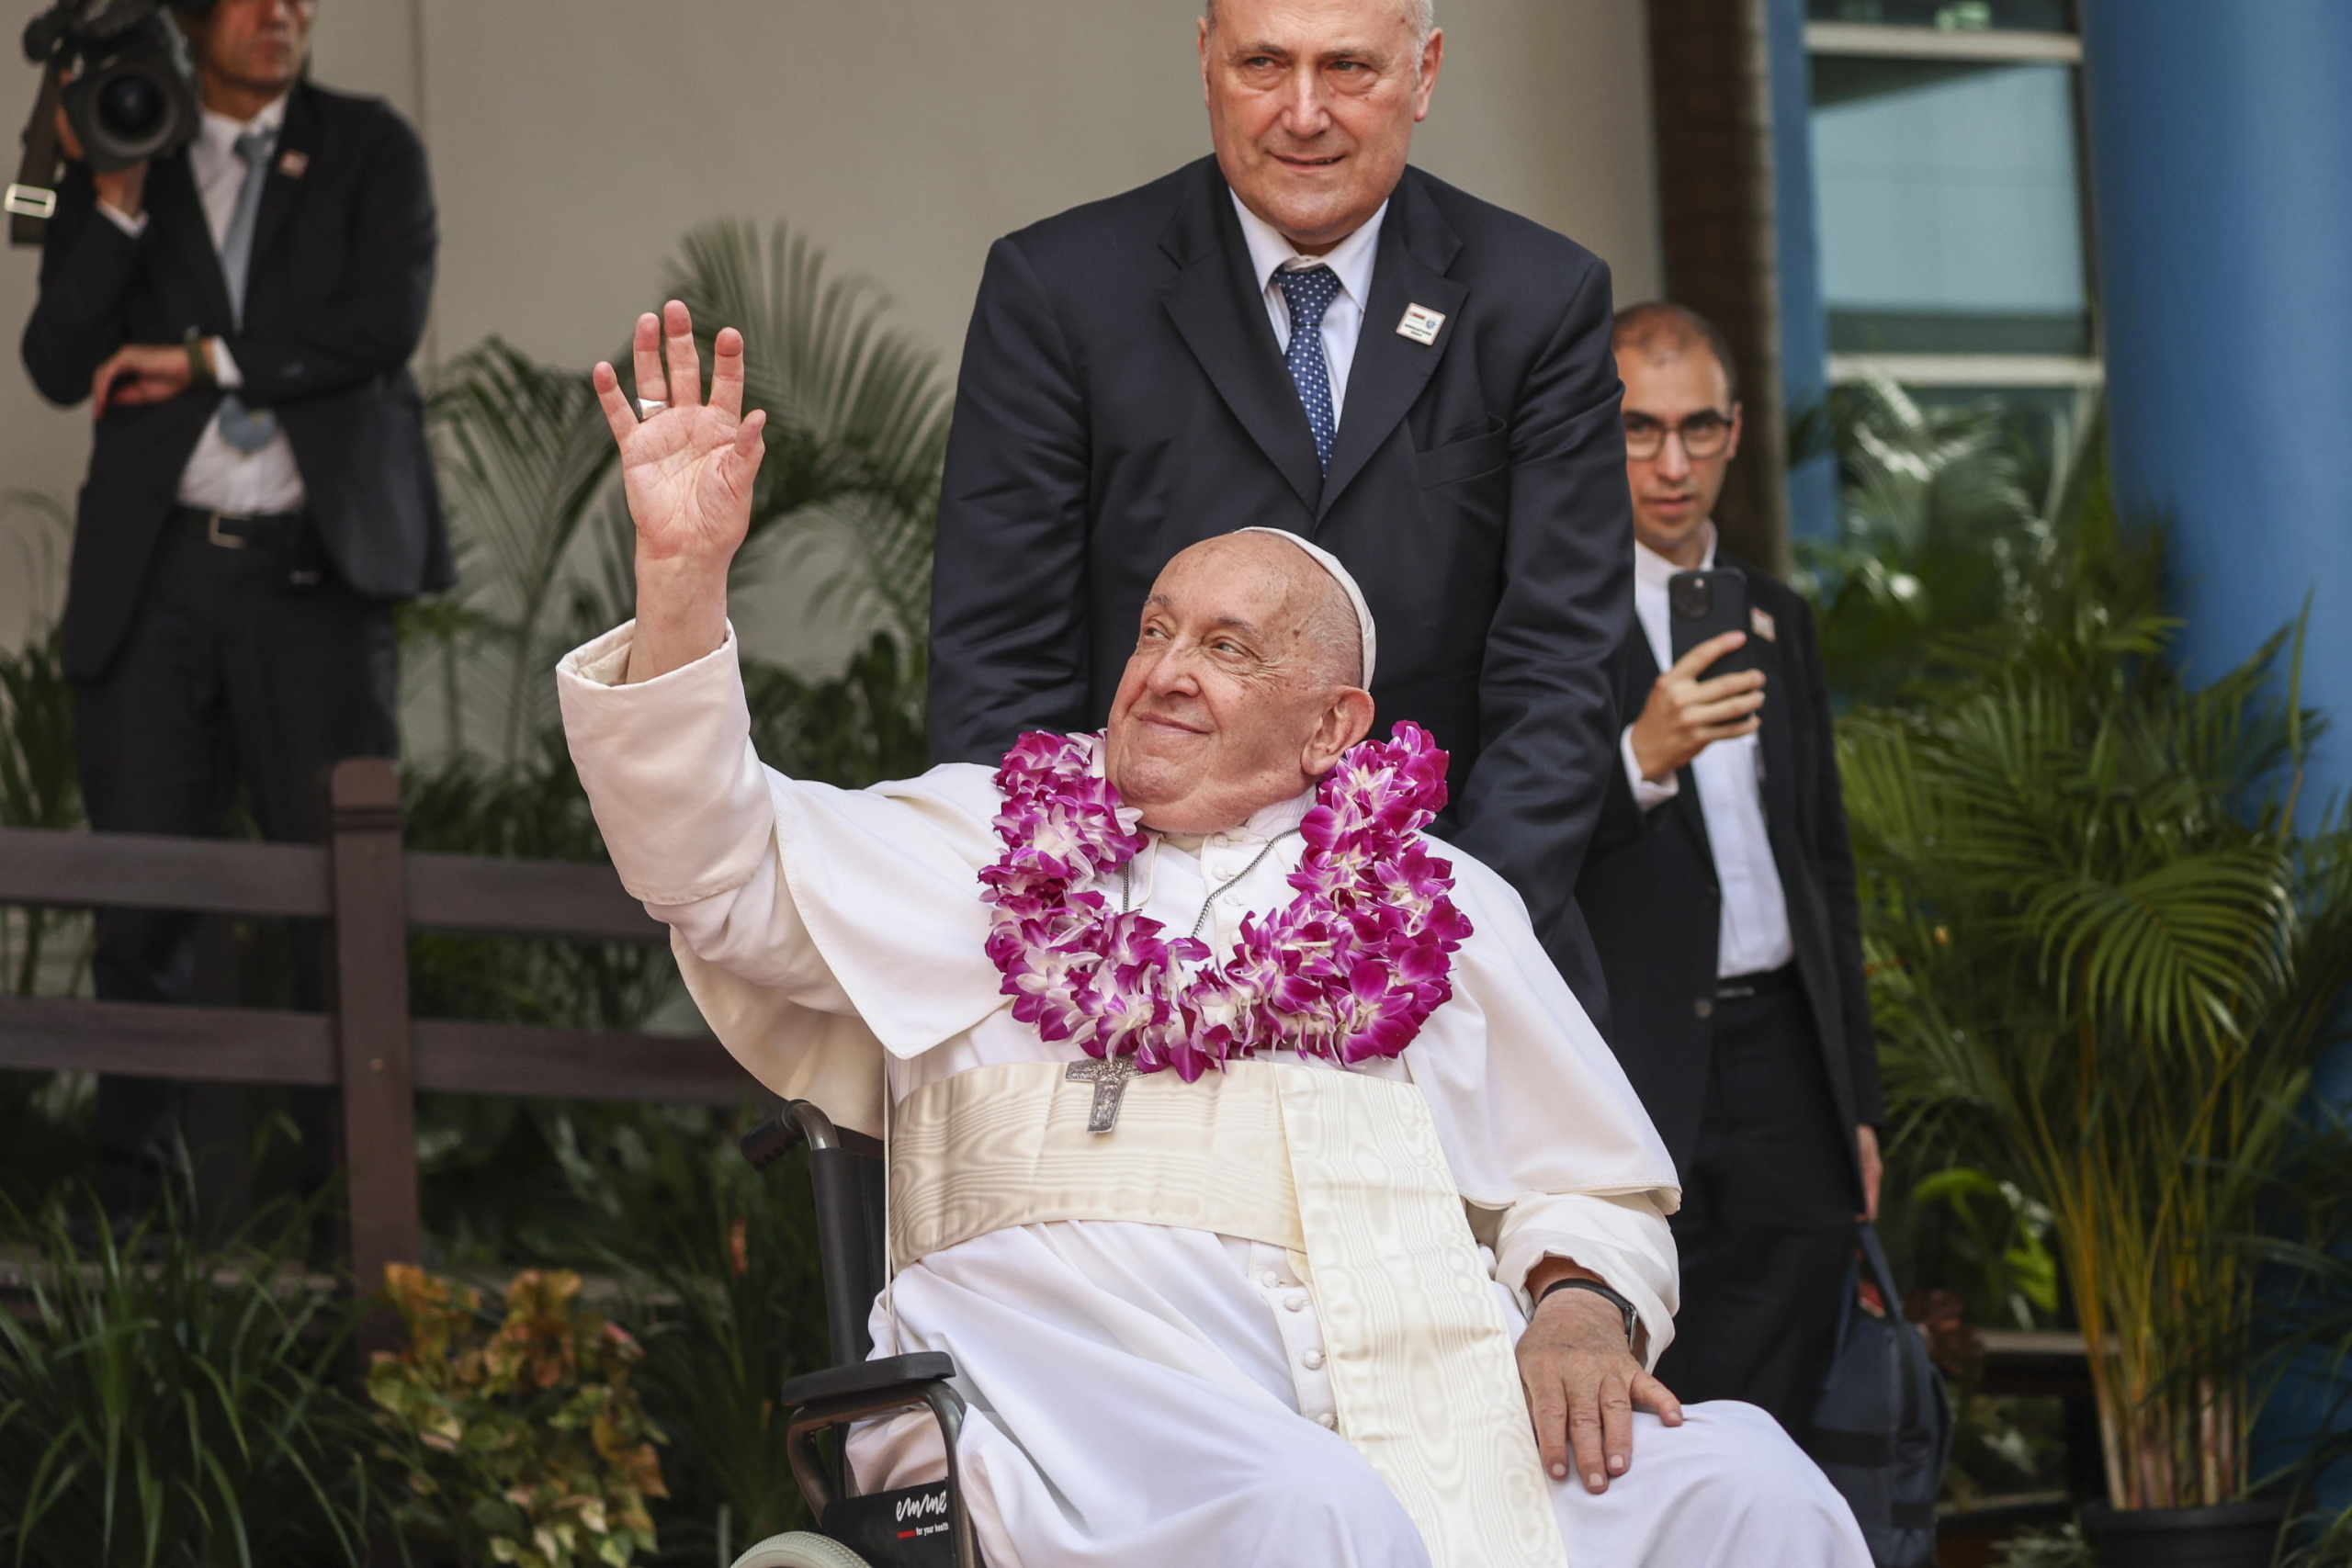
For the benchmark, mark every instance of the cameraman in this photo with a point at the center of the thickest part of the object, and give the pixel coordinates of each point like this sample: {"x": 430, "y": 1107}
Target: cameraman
{"x": 240, "y": 313}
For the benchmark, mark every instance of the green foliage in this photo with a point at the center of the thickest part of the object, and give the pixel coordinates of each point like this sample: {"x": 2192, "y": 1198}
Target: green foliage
{"x": 732, "y": 1308}
{"x": 1997, "y": 1237}
{"x": 2103, "y": 959}
{"x": 2330, "y": 1546}
{"x": 38, "y": 788}
{"x": 533, "y": 808}
{"x": 857, "y": 416}
{"x": 856, "y": 430}
{"x": 857, "y": 728}
{"x": 162, "y": 1403}
{"x": 1945, "y": 515}
{"x": 2061, "y": 1546}
{"x": 522, "y": 1438}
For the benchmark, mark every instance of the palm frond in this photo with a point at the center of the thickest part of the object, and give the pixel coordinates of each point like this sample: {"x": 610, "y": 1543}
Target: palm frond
{"x": 857, "y": 415}
{"x": 2102, "y": 963}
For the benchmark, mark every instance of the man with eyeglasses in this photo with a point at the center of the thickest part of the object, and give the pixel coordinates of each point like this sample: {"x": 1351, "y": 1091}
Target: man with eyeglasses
{"x": 1720, "y": 890}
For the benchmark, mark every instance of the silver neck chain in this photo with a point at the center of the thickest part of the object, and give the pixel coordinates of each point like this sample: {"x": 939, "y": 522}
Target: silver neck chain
{"x": 1127, "y": 883}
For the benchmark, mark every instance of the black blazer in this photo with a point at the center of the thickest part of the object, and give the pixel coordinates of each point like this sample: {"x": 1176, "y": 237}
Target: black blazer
{"x": 335, "y": 304}
{"x": 1122, "y": 397}
{"x": 1649, "y": 888}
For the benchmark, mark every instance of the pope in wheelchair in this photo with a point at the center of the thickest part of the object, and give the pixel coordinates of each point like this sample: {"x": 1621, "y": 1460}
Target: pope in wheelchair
{"x": 1257, "y": 1193}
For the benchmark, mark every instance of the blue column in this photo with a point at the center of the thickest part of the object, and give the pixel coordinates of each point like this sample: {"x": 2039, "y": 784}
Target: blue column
{"x": 2221, "y": 152}
{"x": 1804, "y": 327}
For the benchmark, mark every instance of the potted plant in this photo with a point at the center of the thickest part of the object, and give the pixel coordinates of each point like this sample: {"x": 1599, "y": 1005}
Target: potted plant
{"x": 2106, "y": 953}
{"x": 521, "y": 1433}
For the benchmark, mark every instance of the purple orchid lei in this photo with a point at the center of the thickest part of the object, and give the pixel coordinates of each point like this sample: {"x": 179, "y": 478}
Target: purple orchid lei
{"x": 1348, "y": 971}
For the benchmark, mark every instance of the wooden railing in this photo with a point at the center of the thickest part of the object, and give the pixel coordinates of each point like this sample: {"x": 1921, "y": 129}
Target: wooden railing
{"x": 369, "y": 893}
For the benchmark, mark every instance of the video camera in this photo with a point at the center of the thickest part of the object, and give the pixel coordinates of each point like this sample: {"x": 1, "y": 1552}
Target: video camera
{"x": 133, "y": 95}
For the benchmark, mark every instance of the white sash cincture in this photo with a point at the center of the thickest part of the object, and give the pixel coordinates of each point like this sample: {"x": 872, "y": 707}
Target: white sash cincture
{"x": 1343, "y": 1172}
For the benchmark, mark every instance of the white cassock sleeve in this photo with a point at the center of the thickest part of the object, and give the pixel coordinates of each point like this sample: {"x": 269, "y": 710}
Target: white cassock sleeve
{"x": 814, "y": 927}
{"x": 1550, "y": 1145}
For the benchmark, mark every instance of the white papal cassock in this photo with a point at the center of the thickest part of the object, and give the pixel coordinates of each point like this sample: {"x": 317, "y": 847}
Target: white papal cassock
{"x": 1146, "y": 1394}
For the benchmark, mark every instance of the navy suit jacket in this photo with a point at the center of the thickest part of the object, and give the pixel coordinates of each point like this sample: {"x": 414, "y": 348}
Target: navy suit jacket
{"x": 341, "y": 274}
{"x": 1123, "y": 397}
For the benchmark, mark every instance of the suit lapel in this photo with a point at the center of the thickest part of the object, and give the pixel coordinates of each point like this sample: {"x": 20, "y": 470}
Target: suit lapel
{"x": 180, "y": 225}
{"x": 1389, "y": 370}
{"x": 1221, "y": 314}
{"x": 1776, "y": 736}
{"x": 297, "y": 144}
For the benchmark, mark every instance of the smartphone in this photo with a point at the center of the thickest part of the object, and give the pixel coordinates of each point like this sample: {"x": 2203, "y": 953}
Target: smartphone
{"x": 1703, "y": 605}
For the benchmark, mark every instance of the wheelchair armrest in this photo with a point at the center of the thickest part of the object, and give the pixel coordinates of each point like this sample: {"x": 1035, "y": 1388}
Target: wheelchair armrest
{"x": 870, "y": 1378}
{"x": 863, "y": 1390}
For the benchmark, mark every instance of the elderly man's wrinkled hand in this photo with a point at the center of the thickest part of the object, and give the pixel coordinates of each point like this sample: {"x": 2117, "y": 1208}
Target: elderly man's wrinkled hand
{"x": 687, "y": 468}
{"x": 688, "y": 464}
{"x": 1582, "y": 1384}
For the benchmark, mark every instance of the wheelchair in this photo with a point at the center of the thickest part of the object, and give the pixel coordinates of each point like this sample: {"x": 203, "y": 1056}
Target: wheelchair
{"x": 915, "y": 1527}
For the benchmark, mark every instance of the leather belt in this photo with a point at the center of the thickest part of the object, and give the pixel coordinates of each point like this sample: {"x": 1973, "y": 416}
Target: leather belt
{"x": 241, "y": 530}
{"x": 1764, "y": 983}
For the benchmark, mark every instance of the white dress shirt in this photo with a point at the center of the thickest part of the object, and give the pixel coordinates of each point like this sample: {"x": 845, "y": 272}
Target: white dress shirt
{"x": 1349, "y": 261}
{"x": 218, "y": 477}
{"x": 1752, "y": 933}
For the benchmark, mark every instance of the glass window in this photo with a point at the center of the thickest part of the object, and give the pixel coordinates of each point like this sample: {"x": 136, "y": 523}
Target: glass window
{"x": 1951, "y": 206}
{"x": 1950, "y": 16}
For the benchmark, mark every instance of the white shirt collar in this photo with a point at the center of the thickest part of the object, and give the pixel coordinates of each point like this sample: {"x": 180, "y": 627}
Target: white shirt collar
{"x": 221, "y": 131}
{"x": 1349, "y": 261}
{"x": 1273, "y": 821}
{"x": 1651, "y": 569}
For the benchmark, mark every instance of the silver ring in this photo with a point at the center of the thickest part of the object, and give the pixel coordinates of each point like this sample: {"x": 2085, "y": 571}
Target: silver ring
{"x": 647, "y": 407}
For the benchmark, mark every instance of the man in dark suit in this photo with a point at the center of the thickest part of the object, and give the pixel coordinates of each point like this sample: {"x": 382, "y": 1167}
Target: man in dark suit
{"x": 1302, "y": 333}
{"x": 241, "y": 314}
{"x": 1720, "y": 890}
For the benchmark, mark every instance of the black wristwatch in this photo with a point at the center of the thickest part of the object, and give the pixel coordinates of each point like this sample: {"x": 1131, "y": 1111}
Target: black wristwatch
{"x": 1633, "y": 1318}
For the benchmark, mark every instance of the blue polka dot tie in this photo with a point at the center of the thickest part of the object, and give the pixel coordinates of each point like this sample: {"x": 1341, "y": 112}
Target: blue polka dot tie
{"x": 1310, "y": 292}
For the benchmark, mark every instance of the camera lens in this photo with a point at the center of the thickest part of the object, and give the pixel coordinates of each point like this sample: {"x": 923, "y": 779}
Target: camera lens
{"x": 1693, "y": 596}
{"x": 131, "y": 107}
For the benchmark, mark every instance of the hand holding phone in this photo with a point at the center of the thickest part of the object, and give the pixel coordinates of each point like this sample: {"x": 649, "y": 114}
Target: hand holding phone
{"x": 1685, "y": 714}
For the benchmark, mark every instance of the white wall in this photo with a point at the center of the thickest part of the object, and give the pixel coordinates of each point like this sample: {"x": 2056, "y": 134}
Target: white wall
{"x": 574, "y": 141}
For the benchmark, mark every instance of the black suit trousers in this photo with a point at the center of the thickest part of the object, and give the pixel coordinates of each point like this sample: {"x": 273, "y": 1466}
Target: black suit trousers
{"x": 223, "y": 679}
{"x": 1767, "y": 1223}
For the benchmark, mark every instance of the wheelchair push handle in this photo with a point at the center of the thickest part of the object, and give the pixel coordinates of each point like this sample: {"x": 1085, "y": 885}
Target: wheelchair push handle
{"x": 797, "y": 1122}
{"x": 773, "y": 1138}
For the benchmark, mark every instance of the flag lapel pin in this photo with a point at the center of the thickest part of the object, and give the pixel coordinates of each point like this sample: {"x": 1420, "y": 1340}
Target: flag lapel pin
{"x": 1420, "y": 323}
{"x": 1765, "y": 627}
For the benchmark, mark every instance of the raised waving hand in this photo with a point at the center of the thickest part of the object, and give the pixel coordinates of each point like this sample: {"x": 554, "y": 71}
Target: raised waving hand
{"x": 687, "y": 468}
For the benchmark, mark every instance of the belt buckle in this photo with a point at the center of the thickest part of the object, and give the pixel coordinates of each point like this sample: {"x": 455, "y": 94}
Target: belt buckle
{"x": 213, "y": 534}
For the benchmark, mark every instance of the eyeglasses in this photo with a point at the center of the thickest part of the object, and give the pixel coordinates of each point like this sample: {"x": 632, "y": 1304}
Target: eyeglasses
{"x": 1703, "y": 434}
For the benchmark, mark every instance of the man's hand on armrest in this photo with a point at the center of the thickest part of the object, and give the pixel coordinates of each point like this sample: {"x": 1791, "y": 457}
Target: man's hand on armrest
{"x": 1582, "y": 1379}
{"x": 687, "y": 468}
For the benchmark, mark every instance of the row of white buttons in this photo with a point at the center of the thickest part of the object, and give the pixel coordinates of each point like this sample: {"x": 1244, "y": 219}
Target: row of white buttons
{"x": 1302, "y": 1336}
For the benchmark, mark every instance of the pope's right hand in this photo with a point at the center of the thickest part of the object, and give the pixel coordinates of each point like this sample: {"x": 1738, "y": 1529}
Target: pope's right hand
{"x": 687, "y": 468}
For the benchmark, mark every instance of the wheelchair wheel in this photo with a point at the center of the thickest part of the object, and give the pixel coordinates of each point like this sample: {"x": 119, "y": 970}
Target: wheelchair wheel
{"x": 801, "y": 1549}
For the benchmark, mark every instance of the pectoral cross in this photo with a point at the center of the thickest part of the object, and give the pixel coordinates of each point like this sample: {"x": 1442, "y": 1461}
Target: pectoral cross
{"x": 1109, "y": 1080}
